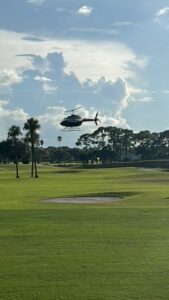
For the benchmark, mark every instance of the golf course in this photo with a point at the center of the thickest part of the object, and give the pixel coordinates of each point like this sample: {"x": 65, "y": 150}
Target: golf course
{"x": 84, "y": 251}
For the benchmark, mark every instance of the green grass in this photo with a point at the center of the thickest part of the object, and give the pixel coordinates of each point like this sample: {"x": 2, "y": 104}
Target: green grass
{"x": 80, "y": 252}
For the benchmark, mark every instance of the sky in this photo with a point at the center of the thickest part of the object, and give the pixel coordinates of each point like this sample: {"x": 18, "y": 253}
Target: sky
{"x": 107, "y": 56}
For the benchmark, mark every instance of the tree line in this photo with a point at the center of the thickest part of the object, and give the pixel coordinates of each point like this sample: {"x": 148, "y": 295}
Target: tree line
{"x": 108, "y": 144}
{"x": 118, "y": 144}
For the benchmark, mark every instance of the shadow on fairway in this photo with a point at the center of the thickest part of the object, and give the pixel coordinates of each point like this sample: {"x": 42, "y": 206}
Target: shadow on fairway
{"x": 106, "y": 194}
{"x": 164, "y": 170}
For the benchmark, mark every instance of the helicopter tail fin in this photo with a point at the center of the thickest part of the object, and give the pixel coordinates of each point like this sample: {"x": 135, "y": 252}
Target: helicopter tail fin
{"x": 96, "y": 119}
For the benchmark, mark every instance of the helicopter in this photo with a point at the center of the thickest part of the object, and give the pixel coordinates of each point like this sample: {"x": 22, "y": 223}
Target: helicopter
{"x": 76, "y": 121}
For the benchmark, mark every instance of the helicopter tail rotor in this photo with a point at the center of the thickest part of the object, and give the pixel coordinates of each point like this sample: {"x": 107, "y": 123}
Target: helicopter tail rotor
{"x": 96, "y": 119}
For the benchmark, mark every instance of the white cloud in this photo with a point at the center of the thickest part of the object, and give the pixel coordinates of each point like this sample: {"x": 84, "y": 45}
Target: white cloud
{"x": 122, "y": 106}
{"x": 51, "y": 119}
{"x": 42, "y": 79}
{"x": 108, "y": 59}
{"x": 17, "y": 114}
{"x": 85, "y": 10}
{"x": 135, "y": 90}
{"x": 161, "y": 13}
{"x": 105, "y": 119}
{"x": 3, "y": 103}
{"x": 9, "y": 77}
{"x": 78, "y": 70}
{"x": 55, "y": 115}
{"x": 49, "y": 88}
{"x": 10, "y": 117}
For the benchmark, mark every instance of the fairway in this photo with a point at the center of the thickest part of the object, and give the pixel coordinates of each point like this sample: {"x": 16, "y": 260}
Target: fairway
{"x": 112, "y": 250}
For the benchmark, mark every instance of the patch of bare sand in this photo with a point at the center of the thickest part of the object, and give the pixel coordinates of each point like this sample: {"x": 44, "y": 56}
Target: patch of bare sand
{"x": 83, "y": 200}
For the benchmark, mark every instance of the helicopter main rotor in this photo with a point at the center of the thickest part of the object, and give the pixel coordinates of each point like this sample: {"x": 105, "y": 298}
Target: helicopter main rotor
{"x": 72, "y": 110}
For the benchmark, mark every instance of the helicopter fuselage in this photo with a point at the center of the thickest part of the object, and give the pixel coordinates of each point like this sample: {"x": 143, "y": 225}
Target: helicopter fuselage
{"x": 72, "y": 121}
{"x": 71, "y": 124}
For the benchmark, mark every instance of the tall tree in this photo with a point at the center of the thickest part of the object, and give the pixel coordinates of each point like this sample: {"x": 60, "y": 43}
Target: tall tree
{"x": 13, "y": 136}
{"x": 127, "y": 142}
{"x": 143, "y": 141}
{"x": 32, "y": 126}
{"x": 59, "y": 139}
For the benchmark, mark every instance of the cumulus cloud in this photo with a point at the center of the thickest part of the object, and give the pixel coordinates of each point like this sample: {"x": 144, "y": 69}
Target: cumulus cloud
{"x": 85, "y": 10}
{"x": 47, "y": 94}
{"x": 49, "y": 86}
{"x": 124, "y": 103}
{"x": 47, "y": 83}
{"x": 109, "y": 98}
{"x": 108, "y": 59}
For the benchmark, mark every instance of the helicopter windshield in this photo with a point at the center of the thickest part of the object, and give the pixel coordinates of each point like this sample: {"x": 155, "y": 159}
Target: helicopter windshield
{"x": 75, "y": 117}
{"x": 72, "y": 118}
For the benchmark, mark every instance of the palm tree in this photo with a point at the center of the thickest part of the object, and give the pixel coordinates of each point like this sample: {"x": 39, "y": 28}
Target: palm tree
{"x": 40, "y": 151}
{"x": 59, "y": 138}
{"x": 32, "y": 126}
{"x": 13, "y": 136}
{"x": 41, "y": 143}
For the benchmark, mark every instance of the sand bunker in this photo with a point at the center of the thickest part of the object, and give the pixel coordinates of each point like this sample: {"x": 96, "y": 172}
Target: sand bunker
{"x": 83, "y": 200}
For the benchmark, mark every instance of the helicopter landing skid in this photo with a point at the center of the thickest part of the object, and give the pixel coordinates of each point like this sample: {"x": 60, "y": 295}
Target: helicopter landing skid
{"x": 71, "y": 129}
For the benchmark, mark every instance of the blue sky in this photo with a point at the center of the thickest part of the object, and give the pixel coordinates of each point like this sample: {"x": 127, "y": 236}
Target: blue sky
{"x": 107, "y": 56}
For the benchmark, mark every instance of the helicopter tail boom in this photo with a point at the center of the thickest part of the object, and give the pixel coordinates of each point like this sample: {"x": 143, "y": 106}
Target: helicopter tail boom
{"x": 96, "y": 120}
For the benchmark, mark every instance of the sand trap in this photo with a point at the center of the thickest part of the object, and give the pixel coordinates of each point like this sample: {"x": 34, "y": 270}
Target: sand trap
{"x": 83, "y": 200}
